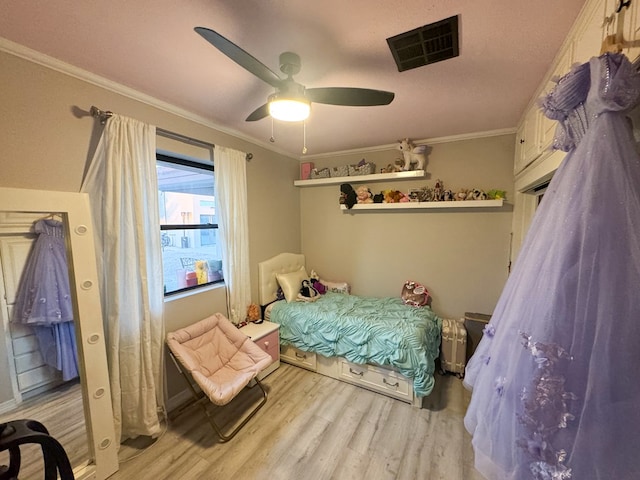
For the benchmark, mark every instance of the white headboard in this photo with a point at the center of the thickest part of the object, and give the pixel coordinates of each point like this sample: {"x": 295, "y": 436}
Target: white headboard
{"x": 282, "y": 263}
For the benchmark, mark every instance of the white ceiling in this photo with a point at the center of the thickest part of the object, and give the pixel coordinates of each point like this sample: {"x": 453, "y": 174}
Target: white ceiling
{"x": 506, "y": 48}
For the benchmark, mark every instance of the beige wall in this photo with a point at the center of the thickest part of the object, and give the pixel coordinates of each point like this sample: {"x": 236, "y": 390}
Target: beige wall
{"x": 47, "y": 143}
{"x": 460, "y": 255}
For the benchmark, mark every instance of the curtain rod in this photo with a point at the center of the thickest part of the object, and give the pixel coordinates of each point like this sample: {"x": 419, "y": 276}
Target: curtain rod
{"x": 104, "y": 115}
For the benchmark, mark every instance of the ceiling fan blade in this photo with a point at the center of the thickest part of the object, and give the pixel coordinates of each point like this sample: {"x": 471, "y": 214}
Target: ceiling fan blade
{"x": 357, "y": 97}
{"x": 259, "y": 113}
{"x": 238, "y": 55}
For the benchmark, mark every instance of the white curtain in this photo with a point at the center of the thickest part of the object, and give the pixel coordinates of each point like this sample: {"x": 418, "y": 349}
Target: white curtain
{"x": 123, "y": 188}
{"x": 233, "y": 228}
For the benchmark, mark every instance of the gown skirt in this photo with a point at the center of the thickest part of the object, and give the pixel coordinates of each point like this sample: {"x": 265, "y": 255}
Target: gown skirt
{"x": 554, "y": 380}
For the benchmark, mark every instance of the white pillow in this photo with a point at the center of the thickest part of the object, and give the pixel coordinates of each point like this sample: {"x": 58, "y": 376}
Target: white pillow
{"x": 291, "y": 283}
{"x": 336, "y": 287}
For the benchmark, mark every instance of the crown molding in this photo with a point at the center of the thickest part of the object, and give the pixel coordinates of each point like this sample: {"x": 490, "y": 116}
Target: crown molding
{"x": 52, "y": 63}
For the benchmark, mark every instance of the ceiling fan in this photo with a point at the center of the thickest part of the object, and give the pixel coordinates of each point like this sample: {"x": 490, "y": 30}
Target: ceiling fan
{"x": 291, "y": 100}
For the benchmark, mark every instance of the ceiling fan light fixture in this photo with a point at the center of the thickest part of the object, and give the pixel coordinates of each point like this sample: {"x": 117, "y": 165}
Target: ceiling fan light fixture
{"x": 289, "y": 109}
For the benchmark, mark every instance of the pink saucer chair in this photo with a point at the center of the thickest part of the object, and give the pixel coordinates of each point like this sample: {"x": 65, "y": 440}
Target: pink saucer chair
{"x": 216, "y": 356}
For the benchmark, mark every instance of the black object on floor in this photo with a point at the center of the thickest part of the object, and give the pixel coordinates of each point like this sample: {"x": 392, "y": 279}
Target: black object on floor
{"x": 474, "y": 323}
{"x": 19, "y": 432}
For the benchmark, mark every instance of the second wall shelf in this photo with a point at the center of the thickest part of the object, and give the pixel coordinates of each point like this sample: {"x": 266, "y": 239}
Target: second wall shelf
{"x": 425, "y": 205}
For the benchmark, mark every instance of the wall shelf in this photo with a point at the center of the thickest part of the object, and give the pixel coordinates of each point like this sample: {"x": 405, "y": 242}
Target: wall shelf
{"x": 374, "y": 177}
{"x": 425, "y": 205}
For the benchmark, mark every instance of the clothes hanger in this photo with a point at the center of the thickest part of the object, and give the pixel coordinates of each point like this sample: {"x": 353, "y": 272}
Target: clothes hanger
{"x": 622, "y": 4}
{"x": 615, "y": 43}
{"x": 52, "y": 216}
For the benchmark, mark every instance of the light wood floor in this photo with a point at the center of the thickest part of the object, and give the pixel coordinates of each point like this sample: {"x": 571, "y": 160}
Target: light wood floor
{"x": 61, "y": 412}
{"x": 315, "y": 427}
{"x": 312, "y": 427}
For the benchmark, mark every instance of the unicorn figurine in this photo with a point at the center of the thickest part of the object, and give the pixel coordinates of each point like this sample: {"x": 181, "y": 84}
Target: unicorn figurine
{"x": 412, "y": 154}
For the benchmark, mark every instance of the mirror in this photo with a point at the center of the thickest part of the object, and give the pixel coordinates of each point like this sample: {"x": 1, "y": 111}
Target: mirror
{"x": 23, "y": 206}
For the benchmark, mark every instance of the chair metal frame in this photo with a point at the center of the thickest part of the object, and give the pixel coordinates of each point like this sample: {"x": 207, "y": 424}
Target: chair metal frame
{"x": 202, "y": 400}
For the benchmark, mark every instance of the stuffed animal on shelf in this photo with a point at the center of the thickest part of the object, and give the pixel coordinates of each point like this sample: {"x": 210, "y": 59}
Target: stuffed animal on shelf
{"x": 364, "y": 194}
{"x": 348, "y": 195}
{"x": 438, "y": 191}
{"x": 393, "y": 167}
{"x": 378, "y": 198}
{"x": 422, "y": 194}
{"x": 461, "y": 195}
{"x": 412, "y": 154}
{"x": 394, "y": 196}
{"x": 476, "y": 194}
{"x": 496, "y": 194}
{"x": 389, "y": 196}
{"x": 447, "y": 196}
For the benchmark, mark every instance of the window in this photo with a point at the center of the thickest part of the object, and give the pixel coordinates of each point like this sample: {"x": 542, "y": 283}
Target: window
{"x": 191, "y": 254}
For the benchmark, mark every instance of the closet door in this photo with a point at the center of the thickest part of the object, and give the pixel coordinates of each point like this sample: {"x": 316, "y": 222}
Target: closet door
{"x": 30, "y": 374}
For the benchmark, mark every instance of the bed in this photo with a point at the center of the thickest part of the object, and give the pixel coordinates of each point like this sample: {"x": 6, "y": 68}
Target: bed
{"x": 376, "y": 343}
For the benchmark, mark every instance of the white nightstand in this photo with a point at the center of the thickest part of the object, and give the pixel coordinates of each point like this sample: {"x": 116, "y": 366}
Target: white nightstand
{"x": 266, "y": 336}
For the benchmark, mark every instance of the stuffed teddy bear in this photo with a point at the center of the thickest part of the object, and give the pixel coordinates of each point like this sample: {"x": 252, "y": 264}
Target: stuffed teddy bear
{"x": 364, "y": 194}
{"x": 395, "y": 196}
{"x": 378, "y": 198}
{"x": 253, "y": 313}
{"x": 348, "y": 195}
{"x": 415, "y": 294}
{"x": 389, "y": 196}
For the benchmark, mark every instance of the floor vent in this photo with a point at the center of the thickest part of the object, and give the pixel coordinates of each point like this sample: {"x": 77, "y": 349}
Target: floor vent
{"x": 429, "y": 44}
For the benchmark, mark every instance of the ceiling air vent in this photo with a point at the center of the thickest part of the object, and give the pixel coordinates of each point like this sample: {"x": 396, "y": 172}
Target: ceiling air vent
{"x": 429, "y": 44}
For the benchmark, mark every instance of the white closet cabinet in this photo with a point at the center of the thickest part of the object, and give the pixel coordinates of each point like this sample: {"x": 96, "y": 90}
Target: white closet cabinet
{"x": 589, "y": 30}
{"x": 527, "y": 140}
{"x": 632, "y": 30}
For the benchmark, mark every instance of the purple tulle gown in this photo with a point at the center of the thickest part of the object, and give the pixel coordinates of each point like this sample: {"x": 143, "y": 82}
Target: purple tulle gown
{"x": 555, "y": 379}
{"x": 43, "y": 299}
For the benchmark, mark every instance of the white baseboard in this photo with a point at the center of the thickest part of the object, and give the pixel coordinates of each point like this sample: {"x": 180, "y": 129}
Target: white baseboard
{"x": 8, "y": 406}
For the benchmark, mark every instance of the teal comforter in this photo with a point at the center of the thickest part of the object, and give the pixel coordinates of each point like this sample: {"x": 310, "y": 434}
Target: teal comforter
{"x": 381, "y": 331}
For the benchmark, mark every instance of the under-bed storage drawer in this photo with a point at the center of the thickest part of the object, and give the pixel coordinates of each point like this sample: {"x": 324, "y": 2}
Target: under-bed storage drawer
{"x": 378, "y": 379}
{"x": 298, "y": 357}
